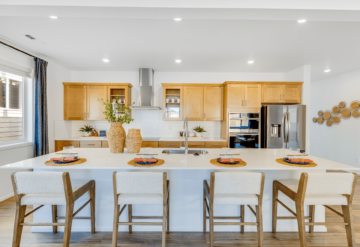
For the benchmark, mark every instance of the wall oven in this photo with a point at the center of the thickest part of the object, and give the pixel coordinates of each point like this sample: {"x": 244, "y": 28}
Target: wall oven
{"x": 244, "y": 130}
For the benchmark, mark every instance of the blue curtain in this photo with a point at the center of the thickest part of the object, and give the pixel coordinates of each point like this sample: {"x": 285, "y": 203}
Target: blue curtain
{"x": 41, "y": 141}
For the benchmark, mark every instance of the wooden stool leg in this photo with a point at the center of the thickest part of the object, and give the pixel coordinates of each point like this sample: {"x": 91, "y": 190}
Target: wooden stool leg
{"x": 204, "y": 212}
{"x": 168, "y": 216}
{"x": 301, "y": 223}
{"x": 274, "y": 207}
{"x": 115, "y": 225}
{"x": 92, "y": 209}
{"x": 312, "y": 217}
{"x": 242, "y": 215}
{"x": 348, "y": 218}
{"x": 259, "y": 220}
{"x": 130, "y": 216}
{"x": 19, "y": 218}
{"x": 164, "y": 227}
{"x": 54, "y": 216}
{"x": 211, "y": 224}
{"x": 68, "y": 224}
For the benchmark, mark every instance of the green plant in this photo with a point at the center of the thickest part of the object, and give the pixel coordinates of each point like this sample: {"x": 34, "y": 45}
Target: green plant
{"x": 199, "y": 129}
{"x": 86, "y": 128}
{"x": 111, "y": 116}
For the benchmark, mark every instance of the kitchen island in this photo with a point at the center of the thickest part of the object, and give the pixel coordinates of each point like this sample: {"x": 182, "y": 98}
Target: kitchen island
{"x": 186, "y": 175}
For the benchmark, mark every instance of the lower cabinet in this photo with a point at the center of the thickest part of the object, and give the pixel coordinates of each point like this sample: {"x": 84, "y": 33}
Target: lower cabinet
{"x": 216, "y": 144}
{"x": 104, "y": 144}
{"x": 59, "y": 145}
{"x": 90, "y": 144}
{"x": 169, "y": 144}
{"x": 194, "y": 144}
{"x": 150, "y": 144}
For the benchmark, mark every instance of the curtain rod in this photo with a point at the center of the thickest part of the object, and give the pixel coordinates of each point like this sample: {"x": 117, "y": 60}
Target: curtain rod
{"x": 17, "y": 49}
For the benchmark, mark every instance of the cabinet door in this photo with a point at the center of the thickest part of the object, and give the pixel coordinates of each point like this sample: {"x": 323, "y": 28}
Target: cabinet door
{"x": 272, "y": 93}
{"x": 173, "y": 103}
{"x": 95, "y": 108}
{"x": 104, "y": 144}
{"x": 59, "y": 145}
{"x": 169, "y": 144}
{"x": 213, "y": 103}
{"x": 235, "y": 96}
{"x": 253, "y": 96}
{"x": 216, "y": 144}
{"x": 150, "y": 144}
{"x": 74, "y": 102}
{"x": 194, "y": 144}
{"x": 90, "y": 144}
{"x": 194, "y": 103}
{"x": 292, "y": 93}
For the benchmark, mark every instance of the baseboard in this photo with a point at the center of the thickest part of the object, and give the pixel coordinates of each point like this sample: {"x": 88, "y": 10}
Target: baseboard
{"x": 6, "y": 197}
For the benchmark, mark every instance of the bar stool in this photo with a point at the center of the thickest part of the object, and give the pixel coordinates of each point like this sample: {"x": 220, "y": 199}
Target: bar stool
{"x": 317, "y": 189}
{"x": 145, "y": 188}
{"x": 50, "y": 188}
{"x": 235, "y": 188}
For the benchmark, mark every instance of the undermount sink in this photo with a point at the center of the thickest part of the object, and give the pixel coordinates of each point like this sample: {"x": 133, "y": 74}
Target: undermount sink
{"x": 182, "y": 151}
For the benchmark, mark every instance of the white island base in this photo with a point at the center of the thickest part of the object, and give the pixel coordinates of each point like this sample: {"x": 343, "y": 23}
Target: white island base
{"x": 186, "y": 204}
{"x": 186, "y": 175}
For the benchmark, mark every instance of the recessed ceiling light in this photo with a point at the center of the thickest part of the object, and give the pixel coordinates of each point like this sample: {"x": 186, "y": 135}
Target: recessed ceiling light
{"x": 178, "y": 61}
{"x": 106, "y": 60}
{"x": 250, "y": 62}
{"x": 177, "y": 19}
{"x": 302, "y": 21}
{"x": 53, "y": 16}
{"x": 327, "y": 70}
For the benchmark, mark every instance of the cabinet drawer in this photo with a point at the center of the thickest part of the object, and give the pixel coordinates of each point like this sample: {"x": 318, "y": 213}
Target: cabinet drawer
{"x": 216, "y": 144}
{"x": 194, "y": 144}
{"x": 169, "y": 144}
{"x": 149, "y": 144}
{"x": 90, "y": 144}
{"x": 104, "y": 144}
{"x": 59, "y": 145}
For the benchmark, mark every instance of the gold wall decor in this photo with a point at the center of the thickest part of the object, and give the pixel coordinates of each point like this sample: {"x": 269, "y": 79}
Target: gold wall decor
{"x": 337, "y": 113}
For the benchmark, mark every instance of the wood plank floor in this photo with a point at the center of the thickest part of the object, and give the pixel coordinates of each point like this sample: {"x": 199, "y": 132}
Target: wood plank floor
{"x": 334, "y": 237}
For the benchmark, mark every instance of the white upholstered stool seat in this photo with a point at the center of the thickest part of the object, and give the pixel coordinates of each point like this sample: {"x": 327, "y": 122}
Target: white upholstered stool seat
{"x": 234, "y": 199}
{"x": 140, "y": 188}
{"x": 315, "y": 199}
{"x": 327, "y": 188}
{"x": 234, "y": 188}
{"x": 52, "y": 199}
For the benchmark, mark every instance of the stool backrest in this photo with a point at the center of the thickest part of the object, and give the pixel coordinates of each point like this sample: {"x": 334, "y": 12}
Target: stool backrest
{"x": 39, "y": 182}
{"x": 139, "y": 182}
{"x": 330, "y": 183}
{"x": 238, "y": 183}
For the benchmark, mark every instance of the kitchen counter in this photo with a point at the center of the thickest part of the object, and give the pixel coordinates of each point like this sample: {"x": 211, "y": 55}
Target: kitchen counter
{"x": 160, "y": 139}
{"x": 186, "y": 175}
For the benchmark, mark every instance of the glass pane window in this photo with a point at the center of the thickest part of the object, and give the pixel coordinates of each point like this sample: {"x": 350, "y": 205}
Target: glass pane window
{"x": 11, "y": 110}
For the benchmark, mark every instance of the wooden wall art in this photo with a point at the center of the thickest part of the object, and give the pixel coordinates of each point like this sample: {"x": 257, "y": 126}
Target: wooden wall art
{"x": 338, "y": 112}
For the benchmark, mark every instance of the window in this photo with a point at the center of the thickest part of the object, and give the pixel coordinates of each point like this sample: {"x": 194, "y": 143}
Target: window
{"x": 11, "y": 108}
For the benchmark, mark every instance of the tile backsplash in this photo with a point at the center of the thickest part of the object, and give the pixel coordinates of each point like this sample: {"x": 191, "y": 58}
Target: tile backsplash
{"x": 150, "y": 122}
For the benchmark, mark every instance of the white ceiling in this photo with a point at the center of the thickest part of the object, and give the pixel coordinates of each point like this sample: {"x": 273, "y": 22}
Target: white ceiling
{"x": 208, "y": 39}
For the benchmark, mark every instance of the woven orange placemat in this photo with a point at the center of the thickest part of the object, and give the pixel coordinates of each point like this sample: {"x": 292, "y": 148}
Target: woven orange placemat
{"x": 281, "y": 161}
{"x": 216, "y": 163}
{"x": 51, "y": 163}
{"x": 158, "y": 163}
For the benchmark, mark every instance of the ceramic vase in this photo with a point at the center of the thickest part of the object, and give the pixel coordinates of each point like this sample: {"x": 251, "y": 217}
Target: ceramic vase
{"x": 133, "y": 141}
{"x": 198, "y": 134}
{"x": 116, "y": 138}
{"x": 86, "y": 134}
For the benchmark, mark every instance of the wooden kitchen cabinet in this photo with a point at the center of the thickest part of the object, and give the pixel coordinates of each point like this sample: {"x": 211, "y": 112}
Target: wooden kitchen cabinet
{"x": 59, "y": 145}
{"x": 282, "y": 93}
{"x": 216, "y": 144}
{"x": 81, "y": 99}
{"x": 194, "y": 144}
{"x": 194, "y": 103}
{"x": 213, "y": 103}
{"x": 90, "y": 144}
{"x": 243, "y": 96}
{"x": 169, "y": 144}
{"x": 173, "y": 103}
{"x": 74, "y": 102}
{"x": 150, "y": 144}
{"x": 104, "y": 144}
{"x": 252, "y": 96}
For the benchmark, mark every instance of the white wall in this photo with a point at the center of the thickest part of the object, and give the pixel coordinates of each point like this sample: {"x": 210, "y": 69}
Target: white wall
{"x": 150, "y": 122}
{"x": 340, "y": 142}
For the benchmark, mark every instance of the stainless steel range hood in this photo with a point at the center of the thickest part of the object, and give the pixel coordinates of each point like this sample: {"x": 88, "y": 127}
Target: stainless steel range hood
{"x": 146, "y": 90}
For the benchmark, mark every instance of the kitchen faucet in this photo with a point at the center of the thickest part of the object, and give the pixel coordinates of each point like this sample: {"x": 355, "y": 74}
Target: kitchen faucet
{"x": 186, "y": 133}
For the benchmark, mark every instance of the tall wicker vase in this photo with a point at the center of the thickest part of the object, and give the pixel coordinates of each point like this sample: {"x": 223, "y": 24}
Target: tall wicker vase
{"x": 116, "y": 138}
{"x": 133, "y": 141}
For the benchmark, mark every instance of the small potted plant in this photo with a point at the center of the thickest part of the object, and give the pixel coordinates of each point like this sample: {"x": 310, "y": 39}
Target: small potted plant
{"x": 87, "y": 129}
{"x": 199, "y": 130}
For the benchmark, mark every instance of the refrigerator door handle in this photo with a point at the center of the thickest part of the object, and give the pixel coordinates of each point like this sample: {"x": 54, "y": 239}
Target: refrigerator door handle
{"x": 284, "y": 125}
{"x": 288, "y": 132}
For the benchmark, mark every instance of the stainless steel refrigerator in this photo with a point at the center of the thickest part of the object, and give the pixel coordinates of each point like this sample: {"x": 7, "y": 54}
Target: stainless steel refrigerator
{"x": 283, "y": 126}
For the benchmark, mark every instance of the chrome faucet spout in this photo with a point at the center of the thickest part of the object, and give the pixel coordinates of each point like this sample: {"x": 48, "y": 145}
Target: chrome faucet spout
{"x": 186, "y": 133}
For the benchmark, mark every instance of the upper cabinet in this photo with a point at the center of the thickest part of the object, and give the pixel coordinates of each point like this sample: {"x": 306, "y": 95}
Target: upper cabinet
{"x": 197, "y": 102}
{"x": 278, "y": 93}
{"x": 81, "y": 99}
{"x": 243, "y": 96}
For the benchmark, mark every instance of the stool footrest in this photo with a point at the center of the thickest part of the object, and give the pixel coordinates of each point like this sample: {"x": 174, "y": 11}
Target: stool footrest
{"x": 140, "y": 223}
{"x": 236, "y": 223}
{"x": 75, "y": 218}
{"x": 225, "y": 218}
{"x": 42, "y": 224}
{"x": 147, "y": 217}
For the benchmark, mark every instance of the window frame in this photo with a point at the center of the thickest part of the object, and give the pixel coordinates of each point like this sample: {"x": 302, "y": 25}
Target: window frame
{"x": 23, "y": 98}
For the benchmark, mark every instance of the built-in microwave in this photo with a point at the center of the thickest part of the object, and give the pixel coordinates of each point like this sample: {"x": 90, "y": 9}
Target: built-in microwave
{"x": 244, "y": 130}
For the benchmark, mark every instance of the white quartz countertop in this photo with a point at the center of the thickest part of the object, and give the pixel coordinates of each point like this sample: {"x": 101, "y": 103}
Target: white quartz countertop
{"x": 101, "y": 158}
{"x": 162, "y": 139}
